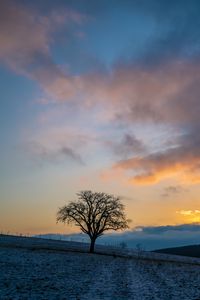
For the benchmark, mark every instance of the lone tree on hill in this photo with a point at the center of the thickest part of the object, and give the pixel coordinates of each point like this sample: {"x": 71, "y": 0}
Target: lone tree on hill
{"x": 94, "y": 213}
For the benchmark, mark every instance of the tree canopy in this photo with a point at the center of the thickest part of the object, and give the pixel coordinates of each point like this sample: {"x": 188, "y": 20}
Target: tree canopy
{"x": 94, "y": 213}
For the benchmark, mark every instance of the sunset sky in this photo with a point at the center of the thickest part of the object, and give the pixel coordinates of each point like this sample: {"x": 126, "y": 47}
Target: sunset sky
{"x": 100, "y": 95}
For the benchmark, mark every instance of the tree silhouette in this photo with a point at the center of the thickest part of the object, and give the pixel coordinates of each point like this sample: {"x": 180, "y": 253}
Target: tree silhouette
{"x": 94, "y": 213}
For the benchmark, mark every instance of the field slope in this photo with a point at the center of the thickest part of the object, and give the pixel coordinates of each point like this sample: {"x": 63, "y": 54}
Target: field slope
{"x": 41, "y": 269}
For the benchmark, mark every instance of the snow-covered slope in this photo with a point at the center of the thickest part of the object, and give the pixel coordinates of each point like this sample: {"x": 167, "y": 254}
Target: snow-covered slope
{"x": 35, "y": 243}
{"x": 44, "y": 269}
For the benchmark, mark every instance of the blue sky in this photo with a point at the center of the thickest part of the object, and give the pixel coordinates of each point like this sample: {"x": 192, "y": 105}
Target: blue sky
{"x": 104, "y": 96}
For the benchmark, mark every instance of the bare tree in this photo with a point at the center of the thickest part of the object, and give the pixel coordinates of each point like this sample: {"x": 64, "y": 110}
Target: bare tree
{"x": 94, "y": 213}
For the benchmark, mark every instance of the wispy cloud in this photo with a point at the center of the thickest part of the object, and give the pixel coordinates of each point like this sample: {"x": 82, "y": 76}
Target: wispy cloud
{"x": 188, "y": 212}
{"x": 51, "y": 155}
{"x": 127, "y": 146}
{"x": 26, "y": 37}
{"x": 54, "y": 145}
{"x": 61, "y": 153}
{"x": 173, "y": 191}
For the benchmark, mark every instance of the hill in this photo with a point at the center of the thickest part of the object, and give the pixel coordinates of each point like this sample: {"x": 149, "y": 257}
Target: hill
{"x": 190, "y": 251}
{"x": 34, "y": 268}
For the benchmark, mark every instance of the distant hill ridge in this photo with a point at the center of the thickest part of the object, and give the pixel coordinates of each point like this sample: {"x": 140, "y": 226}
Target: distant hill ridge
{"x": 191, "y": 251}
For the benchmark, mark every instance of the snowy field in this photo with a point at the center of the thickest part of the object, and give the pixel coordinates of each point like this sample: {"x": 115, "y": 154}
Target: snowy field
{"x": 34, "y": 269}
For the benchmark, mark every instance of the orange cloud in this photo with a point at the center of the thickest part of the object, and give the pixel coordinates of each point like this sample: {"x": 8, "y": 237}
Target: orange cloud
{"x": 180, "y": 162}
{"x": 191, "y": 215}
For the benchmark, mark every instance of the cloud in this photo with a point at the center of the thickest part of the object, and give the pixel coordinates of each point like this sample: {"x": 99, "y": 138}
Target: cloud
{"x": 164, "y": 93}
{"x": 173, "y": 190}
{"x": 72, "y": 154}
{"x": 194, "y": 227}
{"x": 23, "y": 34}
{"x": 26, "y": 37}
{"x": 182, "y": 161}
{"x": 191, "y": 215}
{"x": 127, "y": 146}
{"x": 51, "y": 155}
{"x": 188, "y": 212}
{"x": 166, "y": 96}
{"x": 57, "y": 144}
{"x": 148, "y": 237}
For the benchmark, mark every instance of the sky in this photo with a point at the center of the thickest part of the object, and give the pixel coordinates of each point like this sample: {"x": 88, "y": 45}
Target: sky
{"x": 101, "y": 96}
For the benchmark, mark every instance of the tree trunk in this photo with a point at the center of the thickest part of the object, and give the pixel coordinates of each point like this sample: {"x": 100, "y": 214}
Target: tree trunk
{"x": 92, "y": 245}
